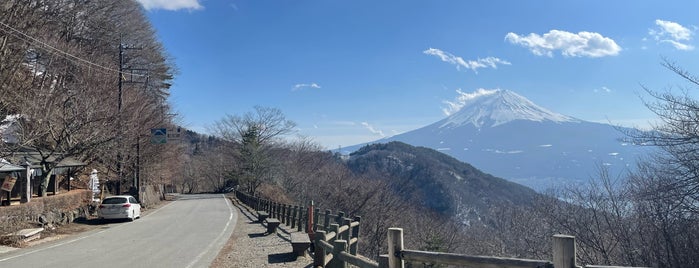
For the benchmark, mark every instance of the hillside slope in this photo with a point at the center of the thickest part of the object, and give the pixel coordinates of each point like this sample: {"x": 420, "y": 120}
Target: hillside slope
{"x": 438, "y": 181}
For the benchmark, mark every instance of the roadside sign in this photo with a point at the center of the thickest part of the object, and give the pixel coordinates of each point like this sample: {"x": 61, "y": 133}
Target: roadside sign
{"x": 9, "y": 183}
{"x": 158, "y": 135}
{"x": 174, "y": 134}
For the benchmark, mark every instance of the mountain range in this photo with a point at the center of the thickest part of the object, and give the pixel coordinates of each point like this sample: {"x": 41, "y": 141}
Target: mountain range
{"x": 508, "y": 136}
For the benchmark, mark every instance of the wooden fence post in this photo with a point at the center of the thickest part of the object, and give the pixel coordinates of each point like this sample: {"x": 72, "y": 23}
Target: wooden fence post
{"x": 310, "y": 219}
{"x": 288, "y": 215}
{"x": 346, "y": 234}
{"x": 338, "y": 246}
{"x": 340, "y": 217}
{"x": 563, "y": 251}
{"x": 334, "y": 228}
{"x": 279, "y": 211}
{"x": 293, "y": 216}
{"x": 319, "y": 253}
{"x": 273, "y": 209}
{"x": 354, "y": 248}
{"x": 299, "y": 225}
{"x": 395, "y": 246}
{"x": 317, "y": 220}
{"x": 327, "y": 220}
{"x": 282, "y": 213}
{"x": 383, "y": 261}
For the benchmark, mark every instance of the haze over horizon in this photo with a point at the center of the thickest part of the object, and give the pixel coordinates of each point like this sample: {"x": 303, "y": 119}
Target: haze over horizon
{"x": 355, "y": 72}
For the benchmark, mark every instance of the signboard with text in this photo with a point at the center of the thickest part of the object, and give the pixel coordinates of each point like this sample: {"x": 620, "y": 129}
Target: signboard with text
{"x": 174, "y": 134}
{"x": 8, "y": 183}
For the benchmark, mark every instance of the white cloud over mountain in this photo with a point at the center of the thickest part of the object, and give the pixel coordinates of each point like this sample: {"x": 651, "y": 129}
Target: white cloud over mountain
{"x": 459, "y": 62}
{"x": 372, "y": 129}
{"x": 673, "y": 33}
{"x": 463, "y": 97}
{"x": 172, "y": 5}
{"x": 582, "y": 44}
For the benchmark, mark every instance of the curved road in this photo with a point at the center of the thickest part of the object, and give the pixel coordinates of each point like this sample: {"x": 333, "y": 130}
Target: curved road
{"x": 186, "y": 233}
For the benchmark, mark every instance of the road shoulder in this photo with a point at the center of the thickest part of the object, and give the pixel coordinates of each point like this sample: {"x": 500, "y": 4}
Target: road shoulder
{"x": 250, "y": 247}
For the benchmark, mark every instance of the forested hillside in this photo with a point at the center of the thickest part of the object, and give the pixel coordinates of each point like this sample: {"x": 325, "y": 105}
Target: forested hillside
{"x": 437, "y": 181}
{"x": 89, "y": 80}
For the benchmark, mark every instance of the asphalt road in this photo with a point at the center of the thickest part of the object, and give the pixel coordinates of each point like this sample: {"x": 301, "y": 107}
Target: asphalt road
{"x": 186, "y": 233}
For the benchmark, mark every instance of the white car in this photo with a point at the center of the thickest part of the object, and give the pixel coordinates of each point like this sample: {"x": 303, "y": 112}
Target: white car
{"x": 119, "y": 207}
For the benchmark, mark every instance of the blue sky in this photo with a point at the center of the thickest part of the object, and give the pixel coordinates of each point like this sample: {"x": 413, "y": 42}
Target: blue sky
{"x": 349, "y": 72}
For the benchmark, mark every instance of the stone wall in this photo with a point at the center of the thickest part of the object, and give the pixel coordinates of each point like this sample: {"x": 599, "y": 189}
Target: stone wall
{"x": 51, "y": 210}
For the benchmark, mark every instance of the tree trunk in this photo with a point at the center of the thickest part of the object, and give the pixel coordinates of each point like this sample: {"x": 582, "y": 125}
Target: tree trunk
{"x": 43, "y": 187}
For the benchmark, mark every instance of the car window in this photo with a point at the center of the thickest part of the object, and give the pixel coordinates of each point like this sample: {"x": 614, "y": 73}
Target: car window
{"x": 133, "y": 200}
{"x": 114, "y": 200}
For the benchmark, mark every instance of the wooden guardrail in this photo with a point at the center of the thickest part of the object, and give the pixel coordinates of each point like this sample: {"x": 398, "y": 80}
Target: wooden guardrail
{"x": 335, "y": 236}
{"x": 336, "y": 242}
{"x": 564, "y": 255}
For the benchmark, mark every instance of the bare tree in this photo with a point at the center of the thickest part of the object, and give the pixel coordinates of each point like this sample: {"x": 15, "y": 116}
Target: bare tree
{"x": 59, "y": 70}
{"x": 257, "y": 133}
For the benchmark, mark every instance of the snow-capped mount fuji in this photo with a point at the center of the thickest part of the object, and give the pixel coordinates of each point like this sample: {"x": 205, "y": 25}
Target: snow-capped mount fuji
{"x": 507, "y": 135}
{"x": 497, "y": 107}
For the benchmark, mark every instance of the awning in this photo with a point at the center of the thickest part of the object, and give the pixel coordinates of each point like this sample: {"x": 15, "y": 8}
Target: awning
{"x": 7, "y": 167}
{"x": 33, "y": 158}
{"x": 70, "y": 162}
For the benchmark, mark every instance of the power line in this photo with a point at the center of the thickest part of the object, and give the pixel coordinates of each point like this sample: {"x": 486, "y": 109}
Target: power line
{"x": 78, "y": 60}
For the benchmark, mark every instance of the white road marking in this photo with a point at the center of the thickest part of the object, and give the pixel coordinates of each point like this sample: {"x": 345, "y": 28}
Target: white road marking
{"x": 230, "y": 217}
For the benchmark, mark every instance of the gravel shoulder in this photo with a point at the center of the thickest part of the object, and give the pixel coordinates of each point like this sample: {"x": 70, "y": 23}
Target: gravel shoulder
{"x": 249, "y": 247}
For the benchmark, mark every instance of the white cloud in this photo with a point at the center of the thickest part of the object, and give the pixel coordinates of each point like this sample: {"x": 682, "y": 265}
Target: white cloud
{"x": 673, "y": 33}
{"x": 372, "y": 129}
{"x": 673, "y": 29}
{"x": 474, "y": 65}
{"x": 302, "y": 86}
{"x": 463, "y": 97}
{"x": 582, "y": 44}
{"x": 603, "y": 90}
{"x": 172, "y": 5}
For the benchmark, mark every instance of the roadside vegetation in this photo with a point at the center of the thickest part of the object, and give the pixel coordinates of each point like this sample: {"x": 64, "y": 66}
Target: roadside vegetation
{"x": 87, "y": 80}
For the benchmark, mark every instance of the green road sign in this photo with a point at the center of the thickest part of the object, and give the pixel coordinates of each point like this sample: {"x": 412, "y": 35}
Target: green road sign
{"x": 158, "y": 135}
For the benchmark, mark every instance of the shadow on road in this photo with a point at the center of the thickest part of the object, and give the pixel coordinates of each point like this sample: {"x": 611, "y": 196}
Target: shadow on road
{"x": 95, "y": 221}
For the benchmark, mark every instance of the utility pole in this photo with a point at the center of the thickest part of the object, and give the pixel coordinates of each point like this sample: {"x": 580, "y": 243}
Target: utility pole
{"x": 123, "y": 80}
{"x": 119, "y": 130}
